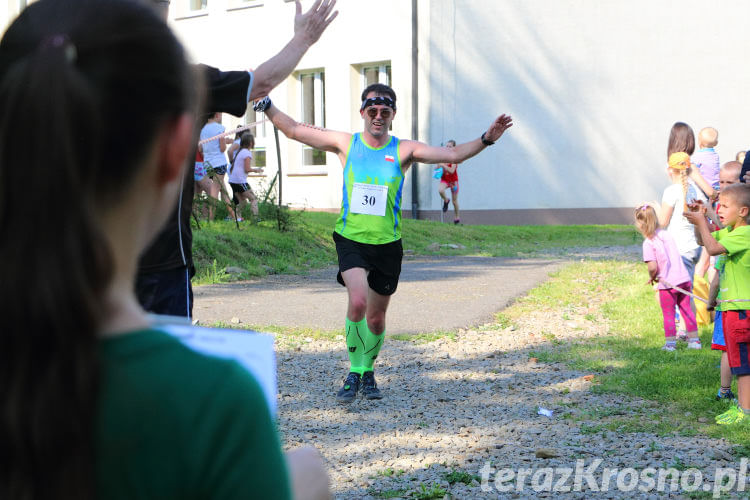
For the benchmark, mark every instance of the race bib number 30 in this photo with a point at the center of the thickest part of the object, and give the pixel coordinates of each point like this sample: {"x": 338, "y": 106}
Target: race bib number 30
{"x": 369, "y": 199}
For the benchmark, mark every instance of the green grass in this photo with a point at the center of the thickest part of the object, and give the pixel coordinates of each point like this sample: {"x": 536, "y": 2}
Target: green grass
{"x": 296, "y": 333}
{"x": 283, "y": 331}
{"x": 459, "y": 476}
{"x": 423, "y": 338}
{"x": 392, "y": 493}
{"x": 511, "y": 241}
{"x": 261, "y": 249}
{"x": 433, "y": 492}
{"x": 628, "y": 360}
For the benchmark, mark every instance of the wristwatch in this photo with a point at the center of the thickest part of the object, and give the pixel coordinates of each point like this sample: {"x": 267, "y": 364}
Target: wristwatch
{"x": 486, "y": 141}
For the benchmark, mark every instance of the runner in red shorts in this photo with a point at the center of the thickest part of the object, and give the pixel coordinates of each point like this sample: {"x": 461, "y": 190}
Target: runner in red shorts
{"x": 449, "y": 180}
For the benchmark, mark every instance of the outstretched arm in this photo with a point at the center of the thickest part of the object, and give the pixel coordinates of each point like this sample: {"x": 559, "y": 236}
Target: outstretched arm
{"x": 316, "y": 137}
{"x": 702, "y": 183}
{"x": 414, "y": 151}
{"x": 307, "y": 30}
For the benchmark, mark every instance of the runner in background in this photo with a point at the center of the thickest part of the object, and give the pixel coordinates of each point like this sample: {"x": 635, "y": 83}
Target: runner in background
{"x": 448, "y": 180}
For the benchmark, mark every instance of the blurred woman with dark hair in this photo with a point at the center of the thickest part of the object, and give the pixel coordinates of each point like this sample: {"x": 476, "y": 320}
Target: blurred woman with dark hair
{"x": 95, "y": 402}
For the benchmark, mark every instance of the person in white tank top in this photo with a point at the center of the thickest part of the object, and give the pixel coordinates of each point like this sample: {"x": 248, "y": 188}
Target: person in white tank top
{"x": 241, "y": 166}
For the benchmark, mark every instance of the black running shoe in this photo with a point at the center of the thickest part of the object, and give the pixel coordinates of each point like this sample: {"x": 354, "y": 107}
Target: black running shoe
{"x": 351, "y": 385}
{"x": 369, "y": 387}
{"x": 445, "y": 205}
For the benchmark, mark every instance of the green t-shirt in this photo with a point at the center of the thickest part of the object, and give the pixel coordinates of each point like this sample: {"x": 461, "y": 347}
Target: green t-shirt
{"x": 174, "y": 423}
{"x": 734, "y": 280}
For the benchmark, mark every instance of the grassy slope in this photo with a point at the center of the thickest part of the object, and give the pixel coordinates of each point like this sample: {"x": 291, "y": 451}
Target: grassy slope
{"x": 261, "y": 249}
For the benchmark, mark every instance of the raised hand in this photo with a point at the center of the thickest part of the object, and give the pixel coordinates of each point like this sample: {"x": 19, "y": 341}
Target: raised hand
{"x": 697, "y": 206}
{"x": 314, "y": 22}
{"x": 711, "y": 305}
{"x": 695, "y": 216}
{"x": 498, "y": 127}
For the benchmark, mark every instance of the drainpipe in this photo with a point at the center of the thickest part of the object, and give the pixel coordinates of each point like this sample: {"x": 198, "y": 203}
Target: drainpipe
{"x": 414, "y": 105}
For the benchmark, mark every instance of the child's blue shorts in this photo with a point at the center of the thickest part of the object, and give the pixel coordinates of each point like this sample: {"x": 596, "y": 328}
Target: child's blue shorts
{"x": 717, "y": 341}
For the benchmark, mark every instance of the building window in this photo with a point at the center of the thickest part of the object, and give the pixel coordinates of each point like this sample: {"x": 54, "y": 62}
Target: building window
{"x": 312, "y": 87}
{"x": 259, "y": 157}
{"x": 197, "y": 4}
{"x": 376, "y": 73}
{"x": 259, "y": 132}
{"x": 251, "y": 117}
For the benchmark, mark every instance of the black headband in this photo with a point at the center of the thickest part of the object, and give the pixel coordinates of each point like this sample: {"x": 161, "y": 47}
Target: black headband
{"x": 385, "y": 101}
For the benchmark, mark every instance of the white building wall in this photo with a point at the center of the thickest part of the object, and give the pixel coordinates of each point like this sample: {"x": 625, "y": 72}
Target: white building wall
{"x": 9, "y": 10}
{"x": 593, "y": 86}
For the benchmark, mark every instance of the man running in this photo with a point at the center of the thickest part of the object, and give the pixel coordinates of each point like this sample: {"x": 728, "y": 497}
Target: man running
{"x": 368, "y": 232}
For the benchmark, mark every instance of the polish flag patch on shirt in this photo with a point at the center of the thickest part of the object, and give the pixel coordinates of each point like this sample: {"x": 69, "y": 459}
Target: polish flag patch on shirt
{"x": 390, "y": 158}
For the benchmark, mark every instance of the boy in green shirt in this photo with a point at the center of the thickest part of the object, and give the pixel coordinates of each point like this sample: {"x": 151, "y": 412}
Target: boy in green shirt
{"x": 734, "y": 241}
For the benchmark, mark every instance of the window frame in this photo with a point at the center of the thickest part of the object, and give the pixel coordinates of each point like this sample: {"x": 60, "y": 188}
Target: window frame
{"x": 183, "y": 9}
{"x": 318, "y": 113}
{"x": 243, "y": 4}
{"x": 385, "y": 73}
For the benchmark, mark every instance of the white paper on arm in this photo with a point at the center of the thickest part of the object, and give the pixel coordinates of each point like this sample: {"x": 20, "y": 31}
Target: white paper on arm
{"x": 252, "y": 350}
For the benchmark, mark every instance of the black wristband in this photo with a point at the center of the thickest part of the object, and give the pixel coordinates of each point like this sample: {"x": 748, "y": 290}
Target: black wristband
{"x": 486, "y": 141}
{"x": 262, "y": 105}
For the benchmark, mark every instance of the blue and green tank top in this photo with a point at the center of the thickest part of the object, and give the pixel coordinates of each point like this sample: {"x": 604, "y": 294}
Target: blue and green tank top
{"x": 373, "y": 188}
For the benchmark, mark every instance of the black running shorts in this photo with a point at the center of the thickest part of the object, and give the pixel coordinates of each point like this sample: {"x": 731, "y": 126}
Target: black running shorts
{"x": 382, "y": 262}
{"x": 220, "y": 170}
{"x": 236, "y": 189}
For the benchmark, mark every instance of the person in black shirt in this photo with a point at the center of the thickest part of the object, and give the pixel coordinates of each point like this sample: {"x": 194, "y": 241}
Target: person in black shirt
{"x": 166, "y": 267}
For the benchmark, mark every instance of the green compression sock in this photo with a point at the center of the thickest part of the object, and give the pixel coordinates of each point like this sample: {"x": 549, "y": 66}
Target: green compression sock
{"x": 355, "y": 343}
{"x": 373, "y": 343}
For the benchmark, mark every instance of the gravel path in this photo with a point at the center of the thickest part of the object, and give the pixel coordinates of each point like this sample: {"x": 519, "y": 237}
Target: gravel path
{"x": 455, "y": 406}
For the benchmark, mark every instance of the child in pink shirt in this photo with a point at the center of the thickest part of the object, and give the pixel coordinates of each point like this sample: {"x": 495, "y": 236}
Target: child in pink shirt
{"x": 665, "y": 268}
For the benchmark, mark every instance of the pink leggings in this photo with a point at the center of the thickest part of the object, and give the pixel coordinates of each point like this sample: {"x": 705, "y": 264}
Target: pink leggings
{"x": 668, "y": 299}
